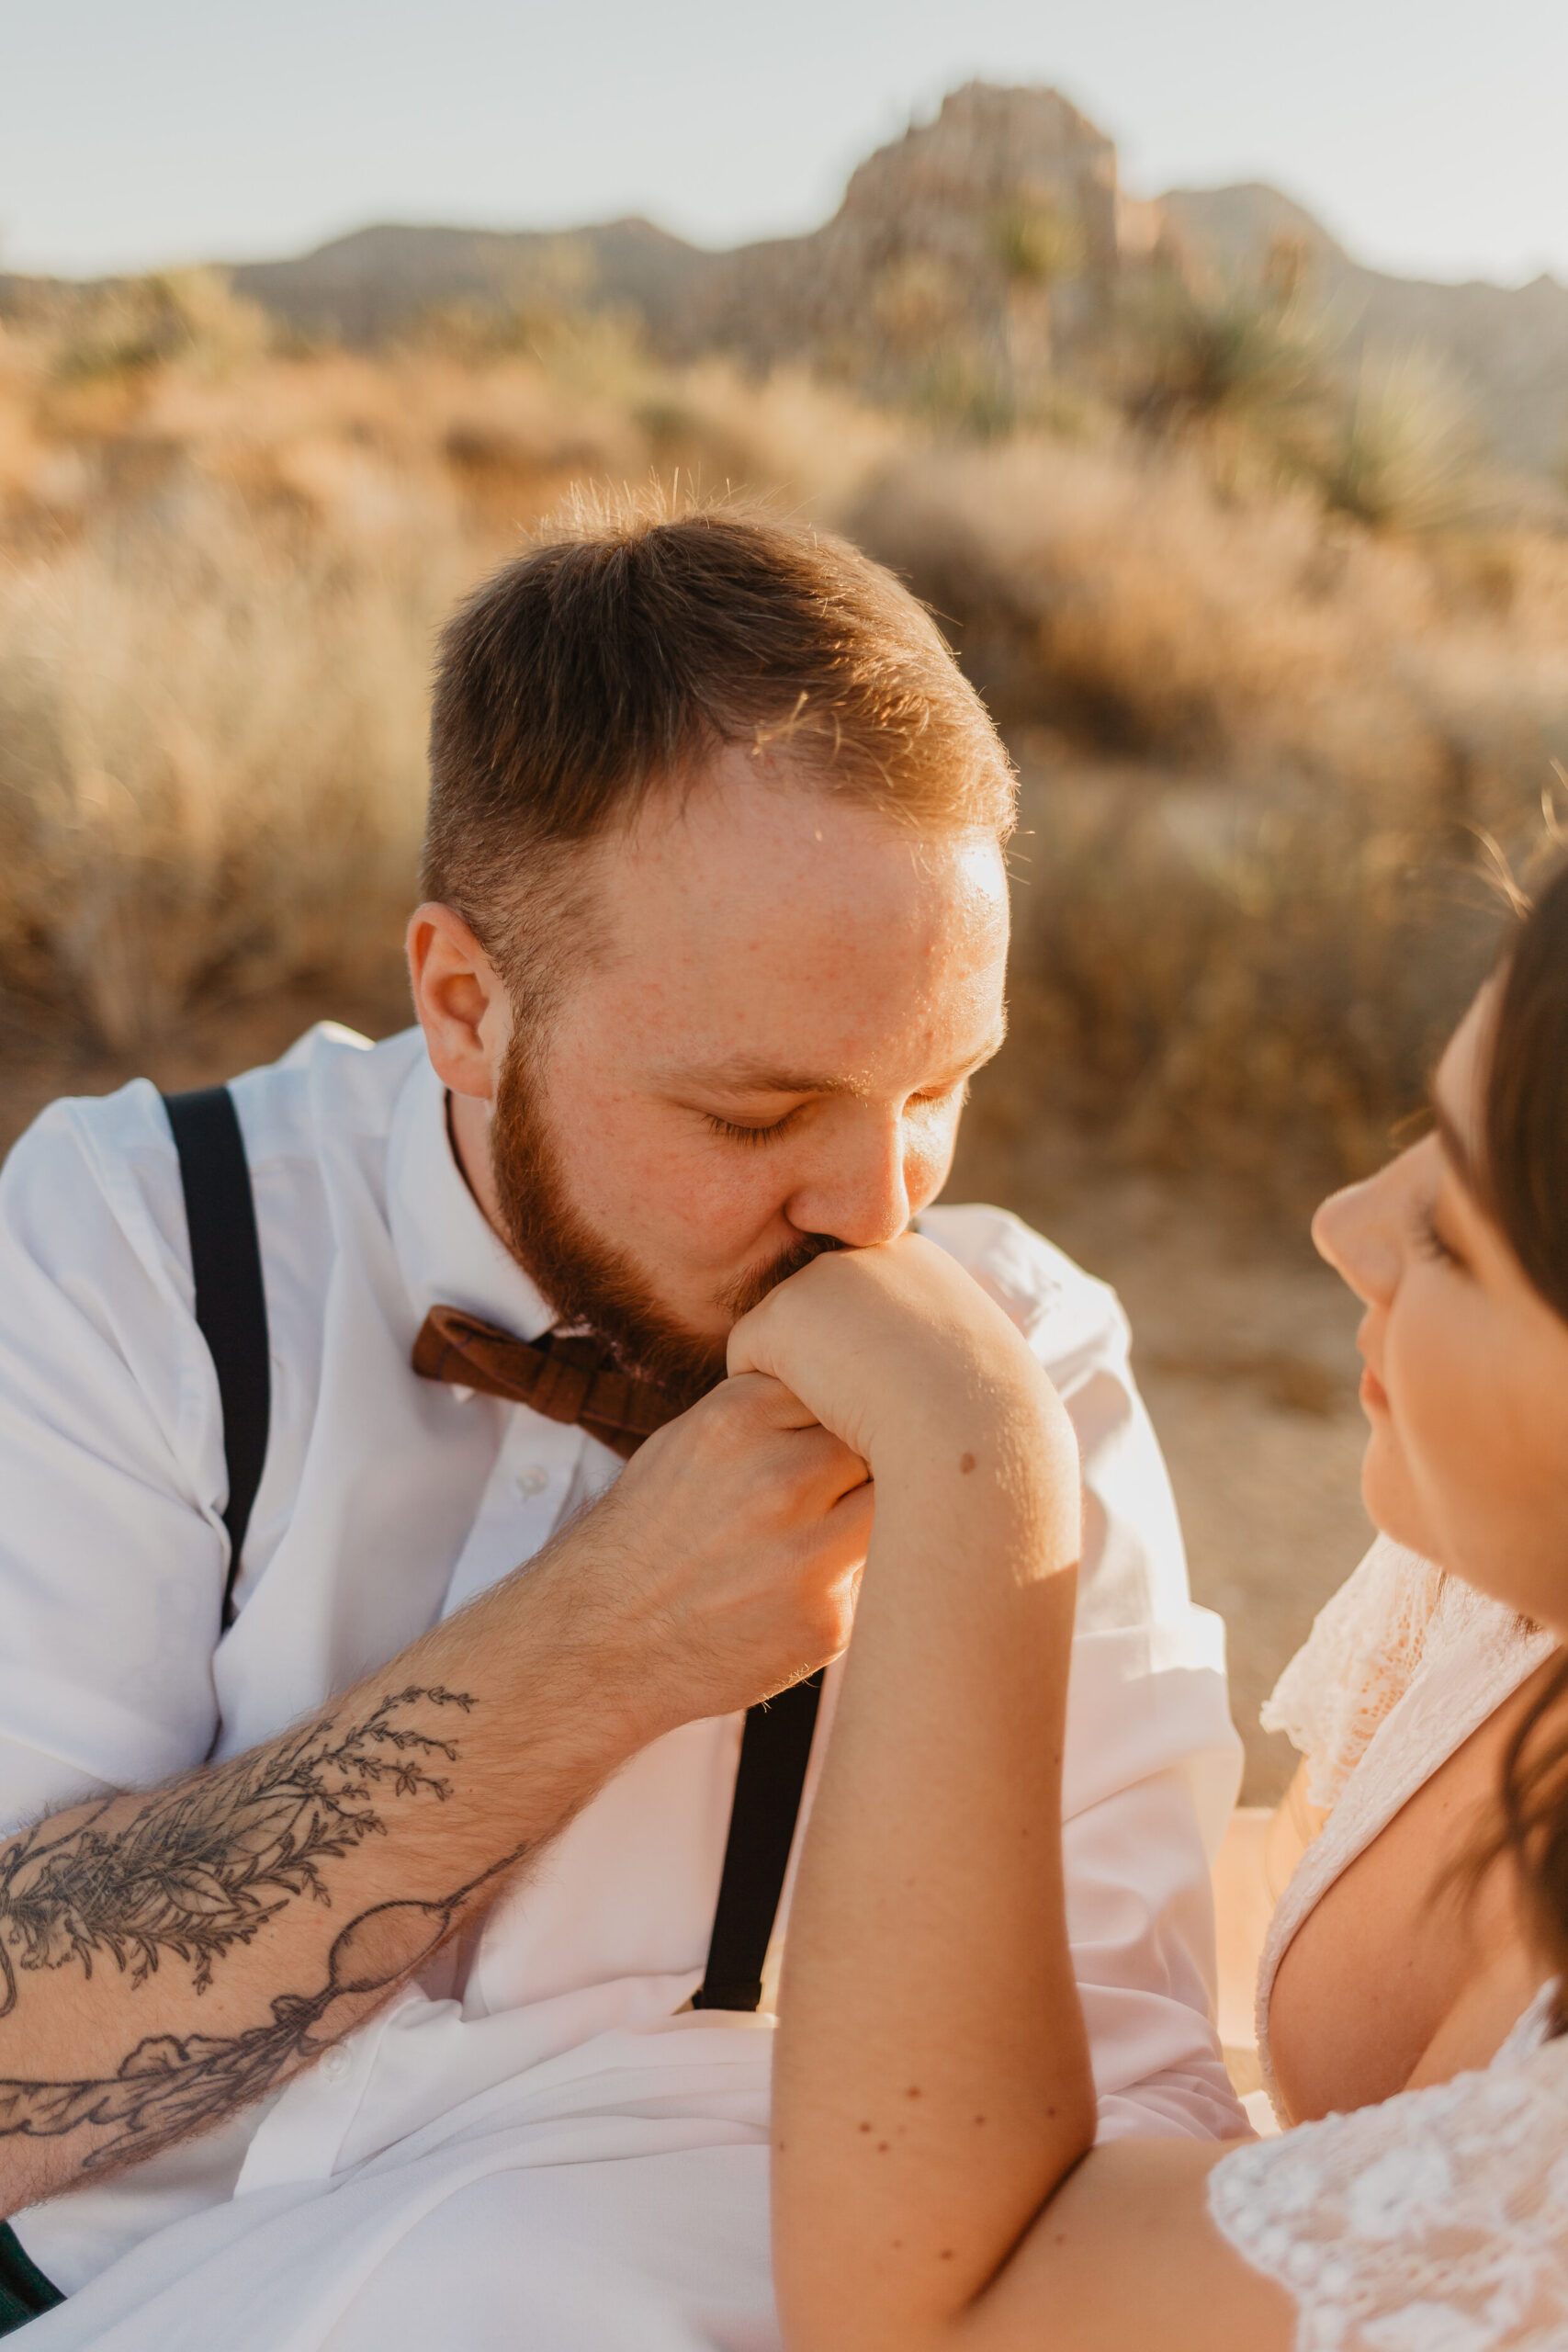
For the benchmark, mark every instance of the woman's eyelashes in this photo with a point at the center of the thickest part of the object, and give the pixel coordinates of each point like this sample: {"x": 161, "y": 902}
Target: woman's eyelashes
{"x": 1428, "y": 1236}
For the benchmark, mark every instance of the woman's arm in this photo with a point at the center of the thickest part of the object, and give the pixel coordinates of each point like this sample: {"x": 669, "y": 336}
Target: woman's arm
{"x": 932, "y": 2084}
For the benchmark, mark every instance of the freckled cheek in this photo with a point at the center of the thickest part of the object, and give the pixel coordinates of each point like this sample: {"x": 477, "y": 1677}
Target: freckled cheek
{"x": 625, "y": 1171}
{"x": 708, "y": 1205}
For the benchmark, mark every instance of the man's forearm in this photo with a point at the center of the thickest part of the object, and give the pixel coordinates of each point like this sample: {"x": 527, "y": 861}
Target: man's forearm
{"x": 168, "y": 1956}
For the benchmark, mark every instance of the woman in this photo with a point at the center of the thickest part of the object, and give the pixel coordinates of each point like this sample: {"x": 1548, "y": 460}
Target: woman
{"x": 935, "y": 2184}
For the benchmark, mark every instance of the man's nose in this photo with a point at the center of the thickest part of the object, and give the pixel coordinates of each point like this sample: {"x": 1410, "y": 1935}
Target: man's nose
{"x": 861, "y": 1194}
{"x": 1357, "y": 1231}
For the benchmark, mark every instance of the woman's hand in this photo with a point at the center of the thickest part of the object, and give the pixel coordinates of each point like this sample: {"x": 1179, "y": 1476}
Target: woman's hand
{"x": 897, "y": 1346}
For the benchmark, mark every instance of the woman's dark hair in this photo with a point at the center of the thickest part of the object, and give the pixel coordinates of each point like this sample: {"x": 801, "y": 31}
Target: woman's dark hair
{"x": 1525, "y": 1167}
{"x": 1524, "y": 1180}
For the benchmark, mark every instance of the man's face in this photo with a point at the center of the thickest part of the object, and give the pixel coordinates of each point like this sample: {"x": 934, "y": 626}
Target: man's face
{"x": 768, "y": 1054}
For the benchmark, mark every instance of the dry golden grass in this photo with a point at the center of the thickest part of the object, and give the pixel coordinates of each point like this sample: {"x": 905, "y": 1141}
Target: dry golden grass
{"x": 1251, "y": 733}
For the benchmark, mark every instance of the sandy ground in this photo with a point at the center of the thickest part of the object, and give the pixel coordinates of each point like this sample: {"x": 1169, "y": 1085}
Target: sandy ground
{"x": 1242, "y": 1344}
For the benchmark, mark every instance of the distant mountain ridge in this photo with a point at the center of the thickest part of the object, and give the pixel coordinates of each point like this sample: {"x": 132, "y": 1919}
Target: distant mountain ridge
{"x": 369, "y": 283}
{"x": 926, "y": 245}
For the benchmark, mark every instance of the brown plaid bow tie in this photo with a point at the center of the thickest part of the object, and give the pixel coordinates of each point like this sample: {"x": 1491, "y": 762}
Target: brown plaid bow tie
{"x": 567, "y": 1379}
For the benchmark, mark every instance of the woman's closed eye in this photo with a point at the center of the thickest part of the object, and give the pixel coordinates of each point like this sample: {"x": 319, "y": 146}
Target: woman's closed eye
{"x": 1429, "y": 1238}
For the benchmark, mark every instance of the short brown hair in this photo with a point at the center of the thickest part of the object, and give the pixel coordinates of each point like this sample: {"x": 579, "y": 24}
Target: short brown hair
{"x": 629, "y": 645}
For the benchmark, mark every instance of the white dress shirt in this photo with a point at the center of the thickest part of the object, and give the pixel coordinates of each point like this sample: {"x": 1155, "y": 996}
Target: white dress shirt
{"x": 386, "y": 1502}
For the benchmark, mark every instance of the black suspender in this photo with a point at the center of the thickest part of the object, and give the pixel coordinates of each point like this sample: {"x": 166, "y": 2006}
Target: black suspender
{"x": 775, "y": 1748}
{"x": 230, "y": 1310}
{"x": 231, "y": 1305}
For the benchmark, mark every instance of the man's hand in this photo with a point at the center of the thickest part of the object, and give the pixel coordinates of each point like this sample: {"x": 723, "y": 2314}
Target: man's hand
{"x": 728, "y": 1555}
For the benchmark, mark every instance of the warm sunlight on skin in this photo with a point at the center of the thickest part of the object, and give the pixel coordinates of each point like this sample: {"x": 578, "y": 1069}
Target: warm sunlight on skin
{"x": 1466, "y": 1385}
{"x": 776, "y": 1039}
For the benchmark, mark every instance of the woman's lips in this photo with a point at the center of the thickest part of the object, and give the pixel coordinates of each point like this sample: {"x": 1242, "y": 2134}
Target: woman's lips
{"x": 1375, "y": 1396}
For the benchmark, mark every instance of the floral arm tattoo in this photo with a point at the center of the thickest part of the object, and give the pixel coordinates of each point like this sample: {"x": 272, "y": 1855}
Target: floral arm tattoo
{"x": 199, "y": 1870}
{"x": 171, "y": 2086}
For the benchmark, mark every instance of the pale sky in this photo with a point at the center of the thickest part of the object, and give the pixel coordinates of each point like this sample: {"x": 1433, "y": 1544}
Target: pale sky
{"x": 1429, "y": 134}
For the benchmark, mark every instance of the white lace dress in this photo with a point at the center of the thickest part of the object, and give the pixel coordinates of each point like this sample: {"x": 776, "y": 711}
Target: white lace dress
{"x": 1438, "y": 2220}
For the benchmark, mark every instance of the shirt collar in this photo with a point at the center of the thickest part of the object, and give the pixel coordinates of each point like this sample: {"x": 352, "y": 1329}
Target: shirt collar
{"x": 446, "y": 1249}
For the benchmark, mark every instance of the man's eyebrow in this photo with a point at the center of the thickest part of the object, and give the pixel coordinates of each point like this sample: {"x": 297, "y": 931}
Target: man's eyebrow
{"x": 744, "y": 1075}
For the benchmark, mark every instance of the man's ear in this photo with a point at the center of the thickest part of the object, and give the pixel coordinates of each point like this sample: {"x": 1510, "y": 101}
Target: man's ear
{"x": 462, "y": 1001}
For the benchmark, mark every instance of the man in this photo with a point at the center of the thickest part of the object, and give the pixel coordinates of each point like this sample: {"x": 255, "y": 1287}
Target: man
{"x": 373, "y": 2026}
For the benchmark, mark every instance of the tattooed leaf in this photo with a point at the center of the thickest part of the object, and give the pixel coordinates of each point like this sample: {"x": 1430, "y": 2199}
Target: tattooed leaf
{"x": 196, "y": 1891}
{"x": 159, "y": 2054}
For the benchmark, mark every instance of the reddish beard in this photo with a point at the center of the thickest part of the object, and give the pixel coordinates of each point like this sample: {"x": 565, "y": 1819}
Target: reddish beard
{"x": 585, "y": 1279}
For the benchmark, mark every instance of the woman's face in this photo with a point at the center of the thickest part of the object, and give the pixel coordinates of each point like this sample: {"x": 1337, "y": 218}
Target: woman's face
{"x": 1466, "y": 1380}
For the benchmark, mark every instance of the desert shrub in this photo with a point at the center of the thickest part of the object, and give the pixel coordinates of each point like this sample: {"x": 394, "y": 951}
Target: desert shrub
{"x": 130, "y": 324}
{"x": 1038, "y": 243}
{"x": 1112, "y": 594}
{"x": 960, "y": 387}
{"x": 210, "y": 773}
{"x": 1210, "y": 981}
{"x": 1406, "y": 452}
{"x": 1195, "y": 354}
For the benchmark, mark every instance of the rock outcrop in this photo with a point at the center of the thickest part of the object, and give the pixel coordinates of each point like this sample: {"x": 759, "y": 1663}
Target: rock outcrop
{"x": 993, "y": 223}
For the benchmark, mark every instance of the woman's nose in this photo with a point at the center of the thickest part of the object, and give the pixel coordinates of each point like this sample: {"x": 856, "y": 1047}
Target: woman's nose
{"x": 1357, "y": 1230}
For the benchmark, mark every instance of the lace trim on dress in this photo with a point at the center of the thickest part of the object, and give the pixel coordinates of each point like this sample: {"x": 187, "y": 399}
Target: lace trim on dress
{"x": 1471, "y": 1653}
{"x": 1354, "y": 1665}
{"x": 1435, "y": 2223}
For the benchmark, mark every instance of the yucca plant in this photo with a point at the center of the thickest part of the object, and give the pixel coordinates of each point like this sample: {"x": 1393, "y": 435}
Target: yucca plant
{"x": 1039, "y": 245}
{"x": 1202, "y": 354}
{"x": 1409, "y": 454}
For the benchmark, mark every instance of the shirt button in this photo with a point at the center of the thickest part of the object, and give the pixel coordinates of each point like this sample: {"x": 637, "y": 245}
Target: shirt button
{"x": 336, "y": 2064}
{"x": 533, "y": 1482}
